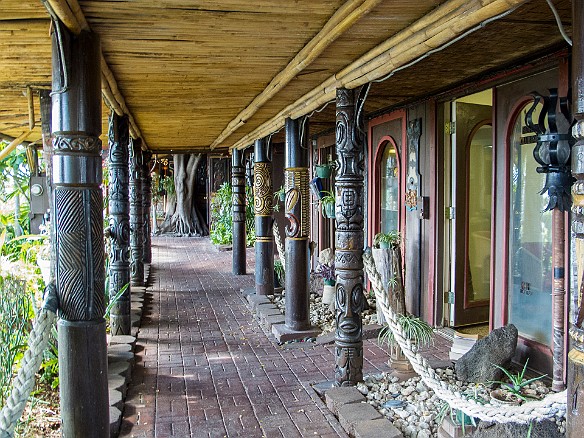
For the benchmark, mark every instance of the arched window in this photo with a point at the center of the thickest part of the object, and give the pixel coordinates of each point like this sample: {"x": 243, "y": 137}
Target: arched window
{"x": 529, "y": 285}
{"x": 389, "y": 188}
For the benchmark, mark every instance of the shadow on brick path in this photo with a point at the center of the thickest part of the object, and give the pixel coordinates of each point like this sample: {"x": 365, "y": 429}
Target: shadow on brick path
{"x": 206, "y": 368}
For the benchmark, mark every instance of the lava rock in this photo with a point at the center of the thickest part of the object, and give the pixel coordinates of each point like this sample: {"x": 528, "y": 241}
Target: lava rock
{"x": 478, "y": 364}
{"x": 540, "y": 429}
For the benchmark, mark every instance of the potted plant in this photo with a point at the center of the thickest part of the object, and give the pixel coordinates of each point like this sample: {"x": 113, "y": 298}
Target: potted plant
{"x": 325, "y": 170}
{"x": 326, "y": 269}
{"x": 385, "y": 240}
{"x": 327, "y": 202}
{"x": 418, "y": 331}
{"x": 280, "y": 194}
{"x": 512, "y": 392}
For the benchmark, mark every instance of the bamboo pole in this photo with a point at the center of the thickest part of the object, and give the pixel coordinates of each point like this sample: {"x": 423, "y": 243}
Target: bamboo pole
{"x": 339, "y": 23}
{"x": 435, "y": 29}
{"x": 70, "y": 13}
{"x": 30, "y": 101}
{"x": 18, "y": 140}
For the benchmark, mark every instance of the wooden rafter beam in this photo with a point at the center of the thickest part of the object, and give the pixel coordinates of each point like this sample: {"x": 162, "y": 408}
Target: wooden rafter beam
{"x": 70, "y": 14}
{"x": 441, "y": 26}
{"x": 339, "y": 23}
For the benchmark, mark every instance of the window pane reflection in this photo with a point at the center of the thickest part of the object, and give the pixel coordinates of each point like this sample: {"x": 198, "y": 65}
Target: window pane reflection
{"x": 389, "y": 189}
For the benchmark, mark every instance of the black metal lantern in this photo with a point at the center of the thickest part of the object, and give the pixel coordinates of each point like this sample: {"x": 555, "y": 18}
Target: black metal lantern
{"x": 553, "y": 148}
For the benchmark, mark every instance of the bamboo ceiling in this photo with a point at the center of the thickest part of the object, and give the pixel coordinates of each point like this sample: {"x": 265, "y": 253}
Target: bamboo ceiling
{"x": 196, "y": 75}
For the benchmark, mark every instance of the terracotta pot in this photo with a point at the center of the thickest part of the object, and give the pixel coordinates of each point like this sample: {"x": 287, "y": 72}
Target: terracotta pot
{"x": 505, "y": 398}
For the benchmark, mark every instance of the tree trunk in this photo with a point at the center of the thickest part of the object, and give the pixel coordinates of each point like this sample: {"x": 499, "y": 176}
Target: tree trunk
{"x": 182, "y": 217}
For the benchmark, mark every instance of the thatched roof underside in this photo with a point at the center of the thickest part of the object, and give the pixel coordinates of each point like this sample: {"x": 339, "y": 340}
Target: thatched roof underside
{"x": 189, "y": 71}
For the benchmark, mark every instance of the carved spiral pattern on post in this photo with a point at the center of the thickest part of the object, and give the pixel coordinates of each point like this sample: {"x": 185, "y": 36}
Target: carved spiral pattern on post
{"x": 262, "y": 184}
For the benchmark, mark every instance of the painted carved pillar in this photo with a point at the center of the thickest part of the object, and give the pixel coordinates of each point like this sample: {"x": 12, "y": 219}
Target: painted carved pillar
{"x": 349, "y": 240}
{"x": 78, "y": 222}
{"x": 238, "y": 185}
{"x": 264, "y": 247}
{"x": 297, "y": 209}
{"x": 575, "y": 371}
{"x": 119, "y": 224}
{"x": 136, "y": 215}
{"x": 147, "y": 205}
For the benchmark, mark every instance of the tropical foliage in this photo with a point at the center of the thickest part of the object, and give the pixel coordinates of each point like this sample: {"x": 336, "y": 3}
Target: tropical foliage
{"x": 221, "y": 232}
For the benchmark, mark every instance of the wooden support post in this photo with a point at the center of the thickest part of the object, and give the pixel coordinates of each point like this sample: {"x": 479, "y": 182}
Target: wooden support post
{"x": 575, "y": 368}
{"x": 297, "y": 209}
{"x": 119, "y": 224}
{"x": 238, "y": 185}
{"x": 264, "y": 221}
{"x": 78, "y": 222}
{"x": 349, "y": 239}
{"x": 147, "y": 205}
{"x": 136, "y": 215}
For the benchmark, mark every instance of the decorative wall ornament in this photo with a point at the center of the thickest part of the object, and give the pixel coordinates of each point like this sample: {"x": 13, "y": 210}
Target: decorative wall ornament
{"x": 349, "y": 238}
{"x": 414, "y": 131}
{"x": 553, "y": 148}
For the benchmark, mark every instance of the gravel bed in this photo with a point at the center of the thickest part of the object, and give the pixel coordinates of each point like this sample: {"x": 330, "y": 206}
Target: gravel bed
{"x": 414, "y": 408}
{"x": 320, "y": 313}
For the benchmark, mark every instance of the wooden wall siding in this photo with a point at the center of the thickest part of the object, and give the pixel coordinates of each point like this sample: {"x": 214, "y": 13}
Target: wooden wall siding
{"x": 186, "y": 68}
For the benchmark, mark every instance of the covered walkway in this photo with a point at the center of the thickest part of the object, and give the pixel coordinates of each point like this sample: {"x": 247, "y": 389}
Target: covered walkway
{"x": 205, "y": 367}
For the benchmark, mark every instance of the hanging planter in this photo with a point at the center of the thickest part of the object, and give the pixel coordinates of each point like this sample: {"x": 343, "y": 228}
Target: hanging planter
{"x": 329, "y": 210}
{"x": 324, "y": 170}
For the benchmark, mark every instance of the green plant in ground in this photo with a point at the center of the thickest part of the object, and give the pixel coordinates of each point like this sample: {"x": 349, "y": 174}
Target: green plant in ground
{"x": 167, "y": 184}
{"x": 516, "y": 381}
{"x": 250, "y": 236}
{"x": 416, "y": 330}
{"x": 221, "y": 231}
{"x": 279, "y": 197}
{"x": 279, "y": 271}
{"x": 16, "y": 314}
{"x": 49, "y": 371}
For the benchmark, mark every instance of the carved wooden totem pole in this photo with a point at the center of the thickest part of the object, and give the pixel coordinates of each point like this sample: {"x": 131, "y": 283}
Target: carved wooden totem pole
{"x": 238, "y": 184}
{"x": 78, "y": 222}
{"x": 349, "y": 239}
{"x": 264, "y": 247}
{"x": 297, "y": 210}
{"x": 575, "y": 371}
{"x": 119, "y": 224}
{"x": 136, "y": 214}
{"x": 147, "y": 205}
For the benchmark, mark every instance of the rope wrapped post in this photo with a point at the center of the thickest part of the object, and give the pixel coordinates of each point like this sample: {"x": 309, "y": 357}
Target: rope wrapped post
{"x": 78, "y": 222}
{"x": 119, "y": 224}
{"x": 238, "y": 185}
{"x": 264, "y": 247}
{"x": 575, "y": 365}
{"x": 349, "y": 239}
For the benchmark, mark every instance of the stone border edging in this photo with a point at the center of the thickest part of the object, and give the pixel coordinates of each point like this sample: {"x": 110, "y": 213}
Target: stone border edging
{"x": 121, "y": 357}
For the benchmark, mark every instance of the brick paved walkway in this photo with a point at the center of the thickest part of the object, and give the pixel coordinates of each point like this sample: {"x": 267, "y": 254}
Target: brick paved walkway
{"x": 206, "y": 368}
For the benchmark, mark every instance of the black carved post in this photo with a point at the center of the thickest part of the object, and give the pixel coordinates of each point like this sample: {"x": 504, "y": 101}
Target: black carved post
{"x": 136, "y": 214}
{"x": 349, "y": 240}
{"x": 297, "y": 209}
{"x": 264, "y": 247}
{"x": 78, "y": 222}
{"x": 238, "y": 184}
{"x": 575, "y": 367}
{"x": 147, "y": 205}
{"x": 119, "y": 224}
